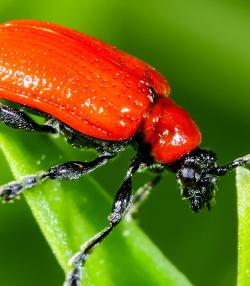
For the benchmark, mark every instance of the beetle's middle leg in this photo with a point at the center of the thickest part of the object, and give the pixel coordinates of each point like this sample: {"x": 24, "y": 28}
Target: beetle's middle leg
{"x": 142, "y": 194}
{"x": 70, "y": 171}
{"x": 20, "y": 120}
{"x": 122, "y": 203}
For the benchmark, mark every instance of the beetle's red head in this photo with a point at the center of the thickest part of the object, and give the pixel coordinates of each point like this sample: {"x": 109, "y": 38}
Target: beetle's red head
{"x": 170, "y": 131}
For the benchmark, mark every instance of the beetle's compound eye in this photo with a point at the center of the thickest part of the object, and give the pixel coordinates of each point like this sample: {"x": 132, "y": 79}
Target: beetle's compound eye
{"x": 189, "y": 175}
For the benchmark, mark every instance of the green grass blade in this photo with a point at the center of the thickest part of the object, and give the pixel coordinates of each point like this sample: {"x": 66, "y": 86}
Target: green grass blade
{"x": 69, "y": 213}
{"x": 243, "y": 186}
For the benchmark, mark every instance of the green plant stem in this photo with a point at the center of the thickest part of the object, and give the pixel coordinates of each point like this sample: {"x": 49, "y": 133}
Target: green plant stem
{"x": 243, "y": 186}
{"x": 69, "y": 213}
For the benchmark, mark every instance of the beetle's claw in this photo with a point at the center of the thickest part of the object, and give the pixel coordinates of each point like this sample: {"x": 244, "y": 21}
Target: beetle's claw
{"x": 10, "y": 191}
{"x": 247, "y": 159}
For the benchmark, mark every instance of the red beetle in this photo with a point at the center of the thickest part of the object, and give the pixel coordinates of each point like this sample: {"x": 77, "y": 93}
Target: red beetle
{"x": 98, "y": 96}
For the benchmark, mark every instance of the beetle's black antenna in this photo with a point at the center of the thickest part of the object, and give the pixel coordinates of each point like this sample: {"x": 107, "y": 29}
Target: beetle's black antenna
{"x": 222, "y": 170}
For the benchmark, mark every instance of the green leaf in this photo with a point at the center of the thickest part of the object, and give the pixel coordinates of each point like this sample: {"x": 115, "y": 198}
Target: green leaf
{"x": 243, "y": 186}
{"x": 69, "y": 213}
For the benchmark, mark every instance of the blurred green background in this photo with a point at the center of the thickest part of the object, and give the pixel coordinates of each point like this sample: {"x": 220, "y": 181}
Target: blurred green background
{"x": 203, "y": 48}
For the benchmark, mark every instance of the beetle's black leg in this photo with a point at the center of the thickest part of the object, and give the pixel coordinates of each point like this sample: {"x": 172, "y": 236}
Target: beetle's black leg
{"x": 222, "y": 170}
{"x": 141, "y": 195}
{"x": 121, "y": 205}
{"x": 19, "y": 120}
{"x": 69, "y": 170}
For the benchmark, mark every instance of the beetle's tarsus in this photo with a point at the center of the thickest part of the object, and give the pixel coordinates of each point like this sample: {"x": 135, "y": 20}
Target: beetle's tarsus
{"x": 12, "y": 190}
{"x": 75, "y": 276}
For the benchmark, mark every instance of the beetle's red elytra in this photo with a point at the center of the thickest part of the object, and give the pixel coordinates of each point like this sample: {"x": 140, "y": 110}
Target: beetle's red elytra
{"x": 100, "y": 97}
{"x": 91, "y": 86}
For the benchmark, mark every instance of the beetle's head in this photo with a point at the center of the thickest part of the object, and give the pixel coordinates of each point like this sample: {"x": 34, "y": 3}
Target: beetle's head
{"x": 197, "y": 173}
{"x": 196, "y": 181}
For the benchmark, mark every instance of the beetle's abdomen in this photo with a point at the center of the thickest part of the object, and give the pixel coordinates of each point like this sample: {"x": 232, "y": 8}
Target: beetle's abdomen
{"x": 170, "y": 131}
{"x": 81, "y": 81}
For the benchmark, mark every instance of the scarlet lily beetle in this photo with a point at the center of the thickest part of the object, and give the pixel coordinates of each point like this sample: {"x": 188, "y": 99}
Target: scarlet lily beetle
{"x": 97, "y": 96}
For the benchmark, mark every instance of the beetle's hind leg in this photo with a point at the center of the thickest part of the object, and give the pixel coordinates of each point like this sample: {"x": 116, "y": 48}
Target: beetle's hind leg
{"x": 70, "y": 171}
{"x": 20, "y": 120}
